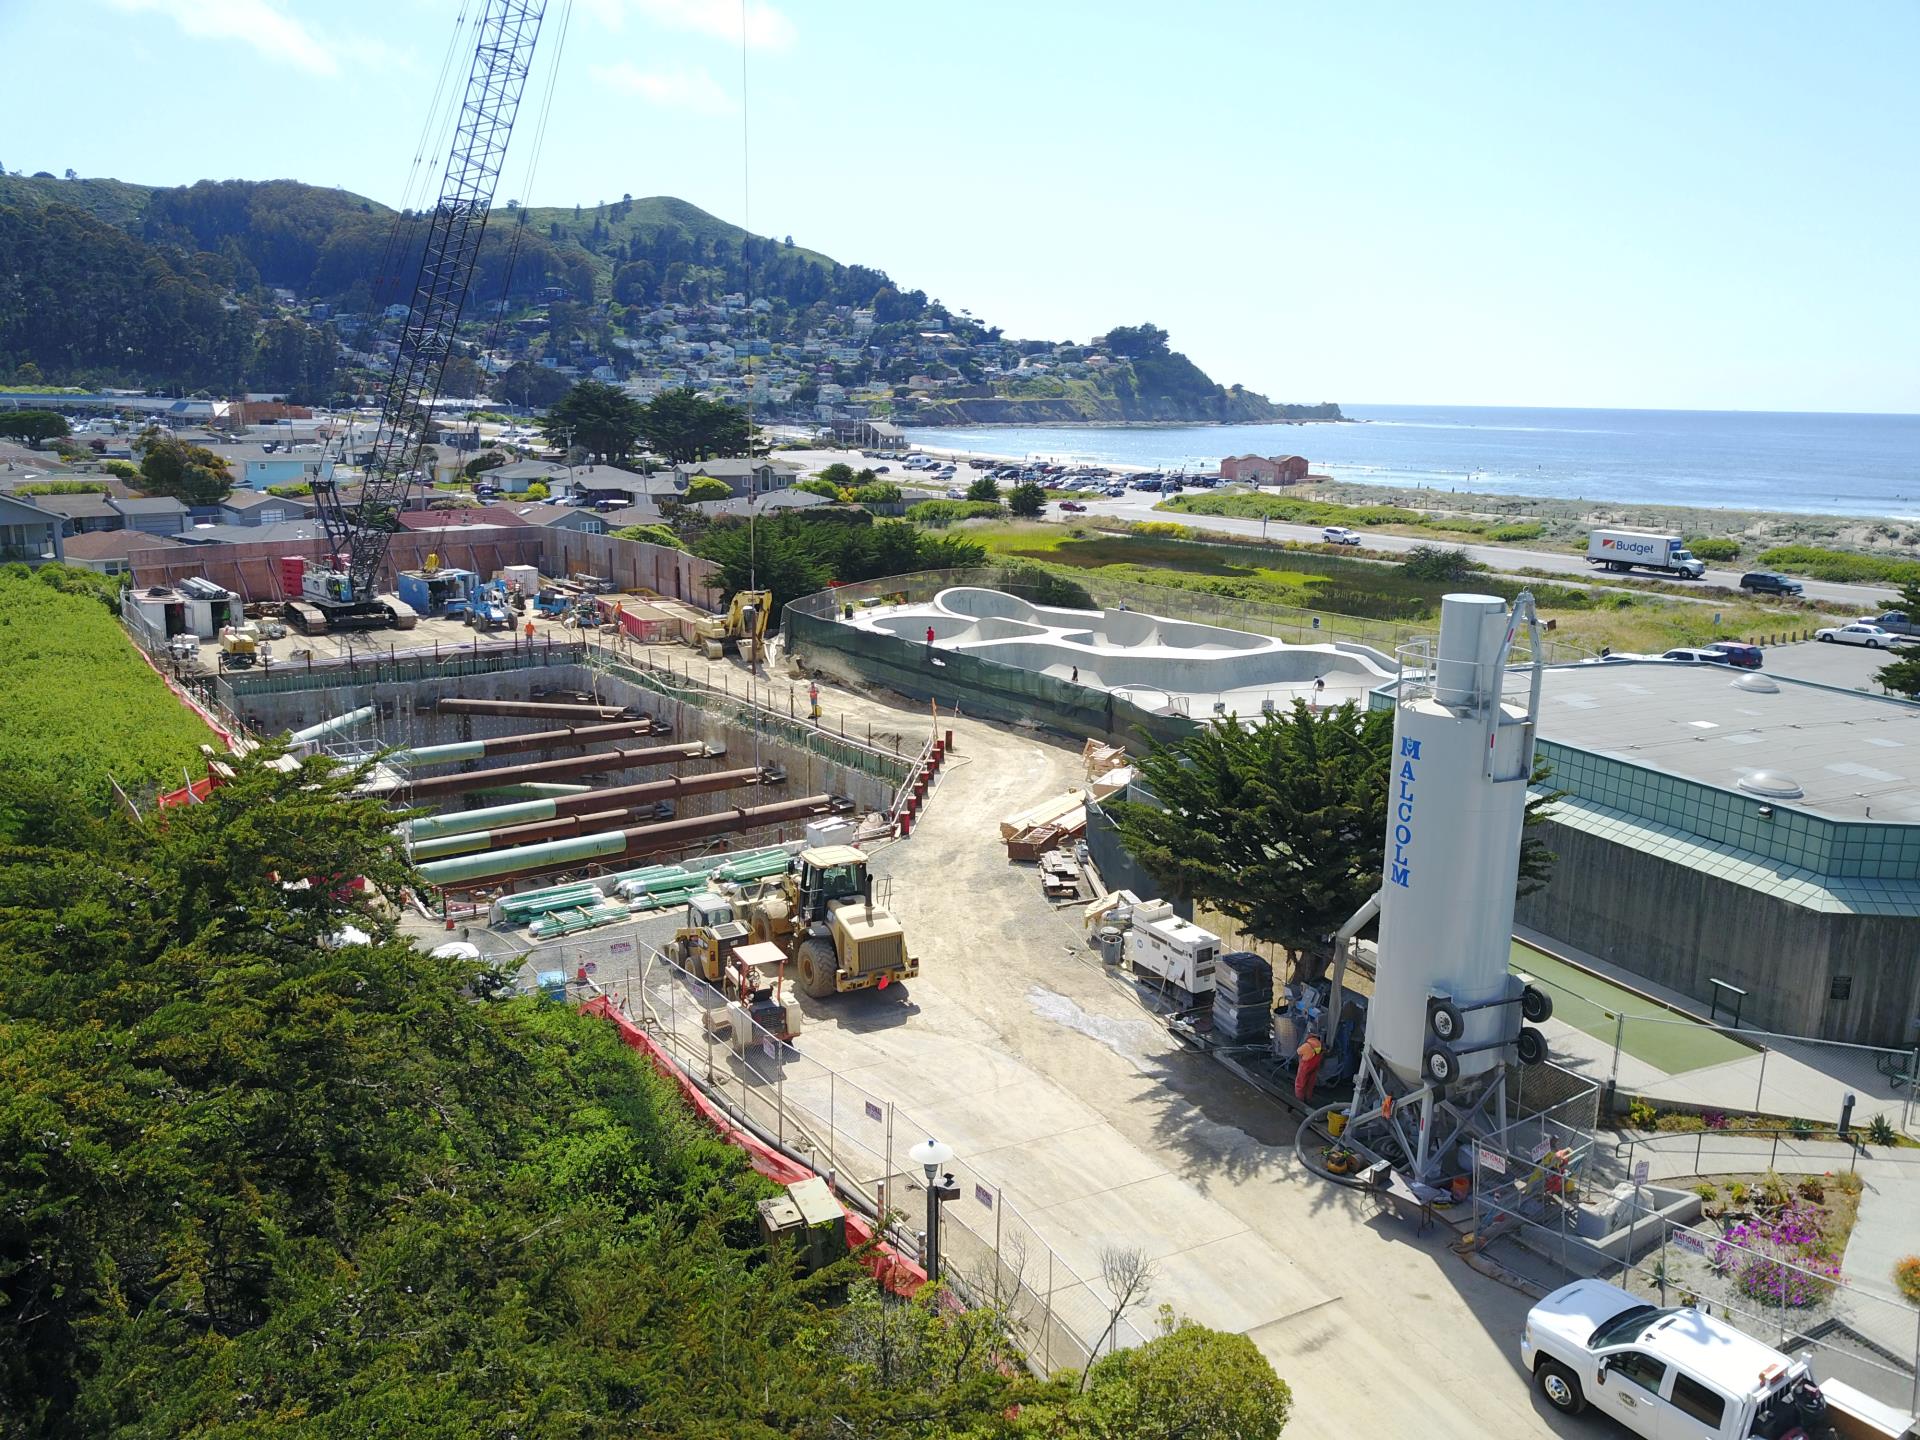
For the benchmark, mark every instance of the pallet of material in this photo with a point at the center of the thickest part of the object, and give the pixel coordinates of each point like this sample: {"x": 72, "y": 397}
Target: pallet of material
{"x": 1068, "y": 811}
{"x": 1059, "y": 876}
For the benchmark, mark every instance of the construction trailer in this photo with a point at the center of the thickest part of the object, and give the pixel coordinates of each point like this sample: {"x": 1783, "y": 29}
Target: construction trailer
{"x": 439, "y": 592}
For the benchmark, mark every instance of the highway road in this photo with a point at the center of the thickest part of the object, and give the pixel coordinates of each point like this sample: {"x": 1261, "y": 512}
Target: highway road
{"x": 1138, "y": 505}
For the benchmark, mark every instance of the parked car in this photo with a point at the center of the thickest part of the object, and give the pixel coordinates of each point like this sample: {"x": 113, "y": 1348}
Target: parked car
{"x": 1687, "y": 655}
{"x": 1340, "y": 535}
{"x": 1073, "y": 505}
{"x": 956, "y": 494}
{"x": 1895, "y": 621}
{"x": 1115, "y": 492}
{"x": 1738, "y": 653}
{"x": 882, "y": 469}
{"x": 1766, "y": 582}
{"x": 1665, "y": 1372}
{"x": 1858, "y": 633}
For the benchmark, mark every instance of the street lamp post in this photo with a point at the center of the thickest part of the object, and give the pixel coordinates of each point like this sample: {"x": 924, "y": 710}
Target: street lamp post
{"x": 930, "y": 1155}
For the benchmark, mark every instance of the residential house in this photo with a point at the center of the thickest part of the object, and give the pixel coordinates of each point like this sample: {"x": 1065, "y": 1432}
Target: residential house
{"x": 610, "y": 483}
{"x": 252, "y": 507}
{"x": 109, "y": 552}
{"x": 1264, "y": 469}
{"x": 762, "y": 504}
{"x": 155, "y": 514}
{"x": 255, "y": 467}
{"x": 83, "y": 512}
{"x": 284, "y": 532}
{"x": 514, "y": 478}
{"x": 471, "y": 517}
{"x": 29, "y": 533}
{"x": 580, "y": 519}
{"x": 742, "y": 477}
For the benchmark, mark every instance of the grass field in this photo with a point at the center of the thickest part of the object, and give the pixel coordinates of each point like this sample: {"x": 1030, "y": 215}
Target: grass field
{"x": 1590, "y": 1003}
{"x": 81, "y": 703}
{"x": 1588, "y": 619}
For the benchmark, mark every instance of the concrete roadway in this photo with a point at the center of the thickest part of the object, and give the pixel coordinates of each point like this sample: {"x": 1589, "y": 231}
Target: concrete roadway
{"x": 1138, "y": 505}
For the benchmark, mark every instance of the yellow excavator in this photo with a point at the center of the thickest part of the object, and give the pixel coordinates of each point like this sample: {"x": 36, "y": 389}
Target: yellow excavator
{"x": 823, "y": 913}
{"x": 743, "y": 627}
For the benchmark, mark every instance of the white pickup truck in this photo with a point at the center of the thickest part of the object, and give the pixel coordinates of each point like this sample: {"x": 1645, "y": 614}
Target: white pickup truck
{"x": 1666, "y": 1374}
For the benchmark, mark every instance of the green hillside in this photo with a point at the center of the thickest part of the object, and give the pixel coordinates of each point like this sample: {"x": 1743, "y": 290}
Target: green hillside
{"x": 116, "y": 202}
{"x": 627, "y": 221}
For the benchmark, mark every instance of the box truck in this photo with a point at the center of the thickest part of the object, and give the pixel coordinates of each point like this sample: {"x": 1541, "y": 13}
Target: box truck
{"x": 1629, "y": 549}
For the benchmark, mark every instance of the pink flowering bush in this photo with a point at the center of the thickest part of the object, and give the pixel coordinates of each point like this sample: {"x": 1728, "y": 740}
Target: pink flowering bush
{"x": 1779, "y": 1260}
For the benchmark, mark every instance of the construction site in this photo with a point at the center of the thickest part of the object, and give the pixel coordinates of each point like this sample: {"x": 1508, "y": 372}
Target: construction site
{"x": 846, "y": 873}
{"x": 871, "y": 926}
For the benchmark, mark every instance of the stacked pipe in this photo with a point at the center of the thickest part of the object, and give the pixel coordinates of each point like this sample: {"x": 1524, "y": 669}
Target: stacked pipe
{"x": 636, "y": 841}
{"x": 610, "y": 808}
{"x": 567, "y": 769}
{"x": 515, "y": 744}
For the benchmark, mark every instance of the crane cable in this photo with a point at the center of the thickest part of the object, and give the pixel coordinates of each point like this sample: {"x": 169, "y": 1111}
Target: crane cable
{"x": 401, "y": 231}
{"x": 533, "y": 170}
{"x": 746, "y": 254}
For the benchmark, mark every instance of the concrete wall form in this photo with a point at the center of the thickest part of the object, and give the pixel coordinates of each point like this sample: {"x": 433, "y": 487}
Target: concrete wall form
{"x": 405, "y": 715}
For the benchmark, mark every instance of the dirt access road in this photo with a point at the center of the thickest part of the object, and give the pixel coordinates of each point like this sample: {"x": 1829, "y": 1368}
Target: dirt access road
{"x": 1051, "y": 1082}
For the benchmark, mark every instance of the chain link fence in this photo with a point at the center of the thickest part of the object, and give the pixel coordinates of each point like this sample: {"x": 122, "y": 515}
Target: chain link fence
{"x": 1792, "y": 1078}
{"x": 859, "y": 1138}
{"x": 1747, "y": 1246}
{"x": 1639, "y": 1050}
{"x": 776, "y": 711}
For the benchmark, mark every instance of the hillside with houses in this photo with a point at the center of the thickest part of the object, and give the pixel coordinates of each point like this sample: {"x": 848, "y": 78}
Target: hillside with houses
{"x": 299, "y": 290}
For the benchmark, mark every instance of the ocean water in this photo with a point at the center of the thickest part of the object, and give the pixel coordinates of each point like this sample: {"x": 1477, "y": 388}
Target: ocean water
{"x": 1833, "y": 464}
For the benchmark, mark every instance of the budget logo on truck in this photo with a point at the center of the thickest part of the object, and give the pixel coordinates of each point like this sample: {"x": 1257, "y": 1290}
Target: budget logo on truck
{"x": 1400, "y": 865}
{"x": 1631, "y": 547}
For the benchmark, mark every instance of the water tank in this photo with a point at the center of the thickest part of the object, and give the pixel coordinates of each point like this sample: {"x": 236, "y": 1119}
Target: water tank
{"x": 1453, "y": 845}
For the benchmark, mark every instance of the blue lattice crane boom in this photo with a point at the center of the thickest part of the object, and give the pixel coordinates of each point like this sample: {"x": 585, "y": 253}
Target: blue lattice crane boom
{"x": 342, "y": 593}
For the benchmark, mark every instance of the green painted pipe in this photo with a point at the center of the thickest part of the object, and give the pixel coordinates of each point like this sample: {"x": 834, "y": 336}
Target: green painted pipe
{"x": 442, "y": 754}
{"x": 460, "y": 843}
{"x": 461, "y": 868}
{"x": 461, "y": 822}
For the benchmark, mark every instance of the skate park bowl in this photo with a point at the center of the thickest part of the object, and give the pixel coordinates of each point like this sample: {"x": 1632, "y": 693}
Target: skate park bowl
{"x": 1164, "y": 666}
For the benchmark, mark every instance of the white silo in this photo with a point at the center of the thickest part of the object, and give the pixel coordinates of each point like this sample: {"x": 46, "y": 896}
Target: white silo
{"x": 1446, "y": 1010}
{"x": 1460, "y": 763}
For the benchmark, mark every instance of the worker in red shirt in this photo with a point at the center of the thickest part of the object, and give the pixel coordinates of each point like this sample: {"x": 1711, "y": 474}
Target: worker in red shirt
{"x": 929, "y": 637}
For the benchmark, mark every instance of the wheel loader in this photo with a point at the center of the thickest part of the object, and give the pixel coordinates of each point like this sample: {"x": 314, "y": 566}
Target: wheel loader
{"x": 824, "y": 914}
{"x": 712, "y": 943}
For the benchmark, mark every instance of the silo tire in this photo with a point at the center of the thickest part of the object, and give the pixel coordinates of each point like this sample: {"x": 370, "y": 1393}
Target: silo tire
{"x": 1445, "y": 1020}
{"x": 819, "y": 968}
{"x": 1535, "y": 1004}
{"x": 1440, "y": 1065}
{"x": 1532, "y": 1045}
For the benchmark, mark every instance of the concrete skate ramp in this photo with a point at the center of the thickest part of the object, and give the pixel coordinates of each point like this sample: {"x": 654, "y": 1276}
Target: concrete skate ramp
{"x": 1160, "y": 664}
{"x": 1181, "y": 671}
{"x": 955, "y": 627}
{"x": 1094, "y": 627}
